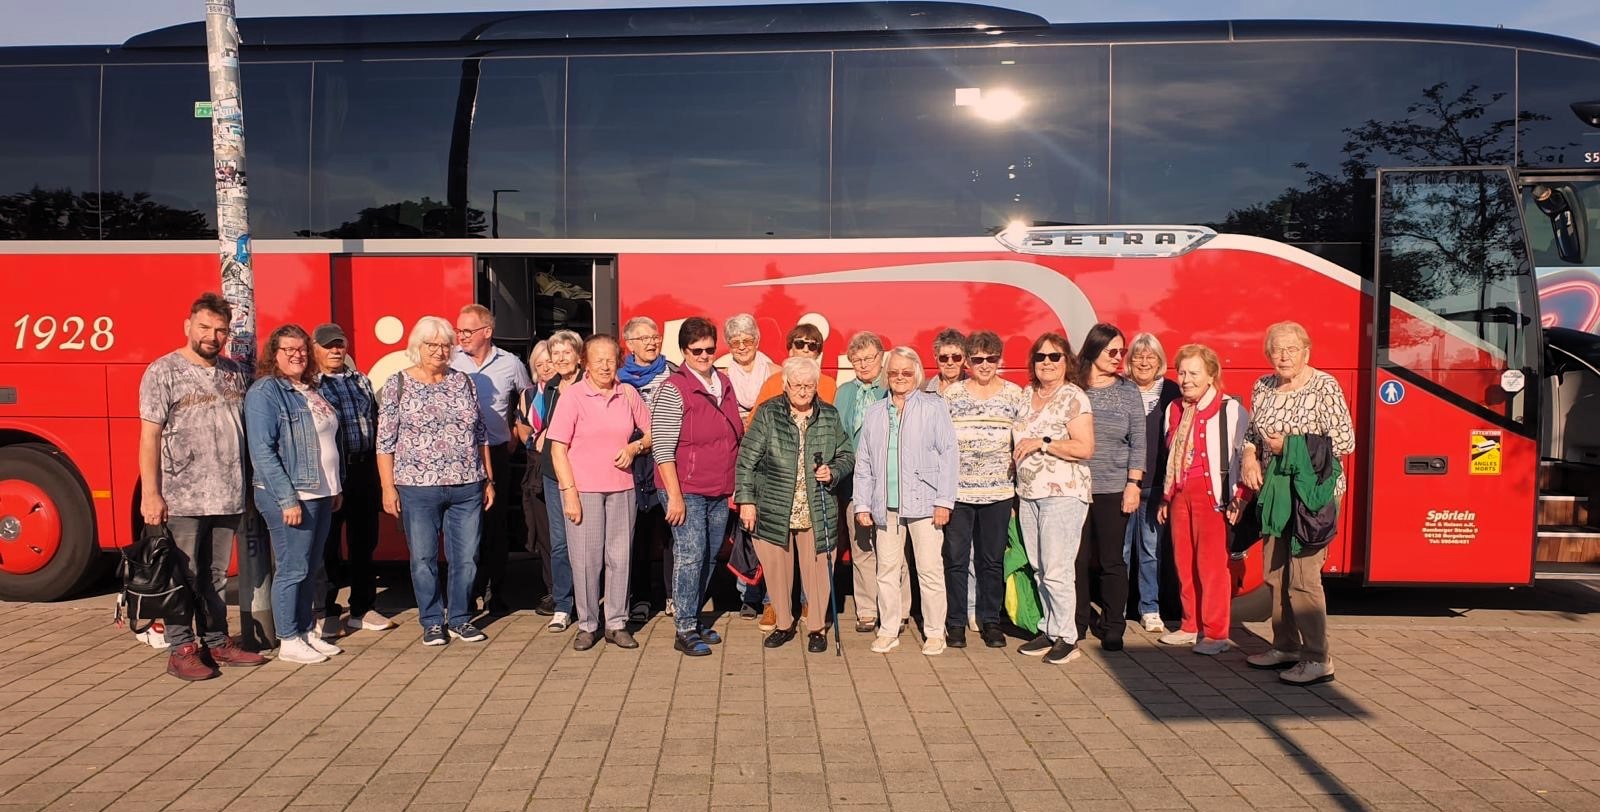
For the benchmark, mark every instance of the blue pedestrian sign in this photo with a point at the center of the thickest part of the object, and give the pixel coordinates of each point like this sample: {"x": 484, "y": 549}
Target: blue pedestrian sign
{"x": 1392, "y": 392}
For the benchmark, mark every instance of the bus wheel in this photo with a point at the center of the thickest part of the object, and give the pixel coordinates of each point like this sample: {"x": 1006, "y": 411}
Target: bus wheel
{"x": 47, "y": 544}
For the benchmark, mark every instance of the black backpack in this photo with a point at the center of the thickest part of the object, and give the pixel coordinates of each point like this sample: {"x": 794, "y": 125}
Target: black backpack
{"x": 154, "y": 585}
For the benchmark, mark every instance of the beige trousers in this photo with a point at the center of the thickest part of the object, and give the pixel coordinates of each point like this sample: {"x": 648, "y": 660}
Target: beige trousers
{"x": 778, "y": 566}
{"x": 1299, "y": 609}
{"x": 864, "y": 567}
{"x": 927, "y": 544}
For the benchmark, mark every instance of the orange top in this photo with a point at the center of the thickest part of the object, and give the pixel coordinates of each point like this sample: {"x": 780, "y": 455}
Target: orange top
{"x": 826, "y": 389}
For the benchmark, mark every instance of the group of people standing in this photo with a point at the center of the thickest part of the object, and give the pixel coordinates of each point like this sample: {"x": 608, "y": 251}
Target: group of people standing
{"x": 633, "y": 458}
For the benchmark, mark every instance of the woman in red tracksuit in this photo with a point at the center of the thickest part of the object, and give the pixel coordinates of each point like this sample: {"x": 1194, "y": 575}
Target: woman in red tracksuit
{"x": 1200, "y": 498}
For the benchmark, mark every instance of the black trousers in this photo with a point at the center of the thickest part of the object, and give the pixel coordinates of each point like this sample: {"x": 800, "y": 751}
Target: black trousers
{"x": 494, "y": 545}
{"x": 536, "y": 517}
{"x": 357, "y": 522}
{"x": 1102, "y": 571}
{"x": 650, "y": 534}
{"x": 977, "y": 534}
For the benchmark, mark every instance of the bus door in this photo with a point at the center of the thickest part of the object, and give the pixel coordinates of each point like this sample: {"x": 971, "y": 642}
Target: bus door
{"x": 1453, "y": 453}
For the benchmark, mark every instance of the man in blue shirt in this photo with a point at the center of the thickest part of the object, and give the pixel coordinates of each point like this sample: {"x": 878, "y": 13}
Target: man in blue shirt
{"x": 500, "y": 379}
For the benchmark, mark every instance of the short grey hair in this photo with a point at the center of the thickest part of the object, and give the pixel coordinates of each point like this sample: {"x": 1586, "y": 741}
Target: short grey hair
{"x": 948, "y": 337}
{"x": 741, "y": 324}
{"x": 1147, "y": 342}
{"x": 910, "y": 355}
{"x": 428, "y": 328}
{"x": 639, "y": 321}
{"x": 807, "y": 370}
{"x": 1289, "y": 328}
{"x": 863, "y": 340}
{"x": 984, "y": 341}
{"x": 569, "y": 338}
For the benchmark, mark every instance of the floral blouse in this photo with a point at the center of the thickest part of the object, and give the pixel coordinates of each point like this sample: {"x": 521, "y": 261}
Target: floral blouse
{"x": 1041, "y": 475}
{"x": 434, "y": 430}
{"x": 799, "y": 511}
{"x": 1317, "y": 408}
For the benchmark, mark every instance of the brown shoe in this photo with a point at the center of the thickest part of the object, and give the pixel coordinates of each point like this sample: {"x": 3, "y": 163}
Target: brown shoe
{"x": 769, "y": 619}
{"x": 229, "y": 653}
{"x": 184, "y": 663}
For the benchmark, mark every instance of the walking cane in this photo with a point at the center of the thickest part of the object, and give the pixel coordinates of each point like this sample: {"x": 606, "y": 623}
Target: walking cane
{"x": 833, "y": 595}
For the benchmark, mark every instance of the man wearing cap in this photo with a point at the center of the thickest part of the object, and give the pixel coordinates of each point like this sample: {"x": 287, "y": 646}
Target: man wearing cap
{"x": 500, "y": 380}
{"x": 350, "y": 393}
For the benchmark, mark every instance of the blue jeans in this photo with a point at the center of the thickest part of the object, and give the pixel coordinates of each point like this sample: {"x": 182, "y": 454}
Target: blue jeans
{"x": 694, "y": 556}
{"x": 1052, "y": 530}
{"x": 294, "y": 552}
{"x": 1142, "y": 535}
{"x": 560, "y": 562}
{"x": 458, "y": 510}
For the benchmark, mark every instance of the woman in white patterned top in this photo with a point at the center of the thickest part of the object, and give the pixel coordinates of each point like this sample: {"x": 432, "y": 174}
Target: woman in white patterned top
{"x": 983, "y": 408}
{"x": 1051, "y": 444}
{"x": 1295, "y": 399}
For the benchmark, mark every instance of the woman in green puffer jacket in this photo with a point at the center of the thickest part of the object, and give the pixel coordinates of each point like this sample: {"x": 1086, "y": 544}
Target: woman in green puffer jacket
{"x": 794, "y": 455}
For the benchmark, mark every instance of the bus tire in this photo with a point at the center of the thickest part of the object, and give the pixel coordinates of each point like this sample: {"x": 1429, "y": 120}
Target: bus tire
{"x": 47, "y": 540}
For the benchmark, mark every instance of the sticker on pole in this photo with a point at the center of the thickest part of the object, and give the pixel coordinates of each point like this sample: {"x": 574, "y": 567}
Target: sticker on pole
{"x": 1486, "y": 452}
{"x": 202, "y": 109}
{"x": 1392, "y": 392}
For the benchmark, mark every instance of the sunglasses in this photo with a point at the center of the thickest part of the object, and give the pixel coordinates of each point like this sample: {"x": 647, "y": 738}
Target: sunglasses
{"x": 1116, "y": 353}
{"x": 950, "y": 358}
{"x": 699, "y": 351}
{"x": 1052, "y": 357}
{"x": 805, "y": 344}
{"x": 980, "y": 360}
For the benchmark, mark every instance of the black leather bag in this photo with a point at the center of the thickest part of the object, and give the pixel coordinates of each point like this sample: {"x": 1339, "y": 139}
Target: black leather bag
{"x": 154, "y": 584}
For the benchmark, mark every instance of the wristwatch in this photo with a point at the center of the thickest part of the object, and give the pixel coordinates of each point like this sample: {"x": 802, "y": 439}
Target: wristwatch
{"x": 1046, "y": 446}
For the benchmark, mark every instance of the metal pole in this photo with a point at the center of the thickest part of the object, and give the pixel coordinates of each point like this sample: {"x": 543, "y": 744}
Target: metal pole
{"x": 238, "y": 286}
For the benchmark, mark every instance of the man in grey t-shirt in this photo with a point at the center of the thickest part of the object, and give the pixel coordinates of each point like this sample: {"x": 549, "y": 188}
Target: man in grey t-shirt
{"x": 192, "y": 470}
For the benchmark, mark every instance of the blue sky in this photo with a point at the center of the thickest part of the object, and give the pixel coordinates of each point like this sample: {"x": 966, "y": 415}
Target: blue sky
{"x": 57, "y": 22}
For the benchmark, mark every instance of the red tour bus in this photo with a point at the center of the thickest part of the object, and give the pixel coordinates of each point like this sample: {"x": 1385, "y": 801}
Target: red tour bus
{"x": 1400, "y": 190}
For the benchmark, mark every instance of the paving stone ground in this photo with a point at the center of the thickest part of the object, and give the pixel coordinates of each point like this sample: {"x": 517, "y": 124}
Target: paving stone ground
{"x": 1492, "y": 708}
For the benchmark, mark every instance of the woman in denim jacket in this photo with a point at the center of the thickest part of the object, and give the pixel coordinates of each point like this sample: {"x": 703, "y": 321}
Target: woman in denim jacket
{"x": 905, "y": 484}
{"x": 294, "y": 450}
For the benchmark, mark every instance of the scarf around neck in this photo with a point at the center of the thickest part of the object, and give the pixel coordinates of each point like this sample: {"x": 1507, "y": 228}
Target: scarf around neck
{"x": 1182, "y": 455}
{"x": 637, "y": 375}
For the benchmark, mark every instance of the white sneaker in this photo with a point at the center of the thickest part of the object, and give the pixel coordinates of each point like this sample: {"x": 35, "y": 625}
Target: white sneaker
{"x": 321, "y": 646}
{"x": 1211, "y": 648}
{"x": 883, "y": 645}
{"x": 297, "y": 650}
{"x": 933, "y": 646}
{"x": 1306, "y": 674}
{"x": 559, "y": 622}
{"x": 152, "y": 637}
{"x": 1152, "y": 622}
{"x": 328, "y": 628}
{"x": 370, "y": 621}
{"x": 1272, "y": 659}
{"x": 1179, "y": 638}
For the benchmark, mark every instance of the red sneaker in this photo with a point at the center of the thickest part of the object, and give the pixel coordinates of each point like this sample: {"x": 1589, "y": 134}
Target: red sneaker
{"x": 229, "y": 653}
{"x": 184, "y": 663}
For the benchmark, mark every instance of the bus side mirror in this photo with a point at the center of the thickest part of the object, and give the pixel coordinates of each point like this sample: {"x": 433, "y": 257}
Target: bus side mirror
{"x": 1565, "y": 209}
{"x": 1588, "y": 111}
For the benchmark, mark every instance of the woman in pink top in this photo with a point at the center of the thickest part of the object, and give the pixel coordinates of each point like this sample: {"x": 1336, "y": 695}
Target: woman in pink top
{"x": 592, "y": 451}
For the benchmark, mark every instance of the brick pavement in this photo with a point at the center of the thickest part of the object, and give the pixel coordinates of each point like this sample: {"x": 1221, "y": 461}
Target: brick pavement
{"x": 1428, "y": 713}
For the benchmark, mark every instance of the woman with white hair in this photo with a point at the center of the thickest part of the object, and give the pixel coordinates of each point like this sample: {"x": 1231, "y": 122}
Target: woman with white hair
{"x": 905, "y": 485}
{"x": 433, "y": 463}
{"x": 1147, "y": 366}
{"x": 747, "y": 366}
{"x": 566, "y": 348}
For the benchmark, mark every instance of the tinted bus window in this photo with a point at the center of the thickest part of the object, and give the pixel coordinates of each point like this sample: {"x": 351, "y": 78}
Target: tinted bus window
{"x": 277, "y": 116}
{"x": 156, "y": 180}
{"x": 699, "y": 146}
{"x": 515, "y": 161}
{"x": 47, "y": 153}
{"x": 962, "y": 142}
{"x": 1281, "y": 140}
{"x": 380, "y": 147}
{"x": 1552, "y": 134}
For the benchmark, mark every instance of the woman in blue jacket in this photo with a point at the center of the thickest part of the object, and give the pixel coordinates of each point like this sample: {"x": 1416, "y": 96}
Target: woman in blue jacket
{"x": 294, "y": 450}
{"x": 905, "y": 485}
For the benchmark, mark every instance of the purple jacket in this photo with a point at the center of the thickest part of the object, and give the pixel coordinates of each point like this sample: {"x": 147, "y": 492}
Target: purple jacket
{"x": 703, "y": 440}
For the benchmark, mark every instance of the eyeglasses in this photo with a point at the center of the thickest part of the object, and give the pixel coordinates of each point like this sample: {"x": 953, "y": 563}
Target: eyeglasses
{"x": 1286, "y": 352}
{"x": 902, "y": 373}
{"x": 980, "y": 360}
{"x": 951, "y": 358}
{"x": 865, "y": 359}
{"x": 1052, "y": 357}
{"x": 742, "y": 343}
{"x": 470, "y": 333}
{"x": 699, "y": 351}
{"x": 805, "y": 344}
{"x": 803, "y": 387}
{"x": 1116, "y": 352}
{"x": 649, "y": 339}
{"x": 293, "y": 352}
{"x": 432, "y": 347}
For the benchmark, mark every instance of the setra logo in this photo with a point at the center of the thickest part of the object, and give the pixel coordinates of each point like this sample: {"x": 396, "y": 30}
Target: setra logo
{"x": 1105, "y": 241}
